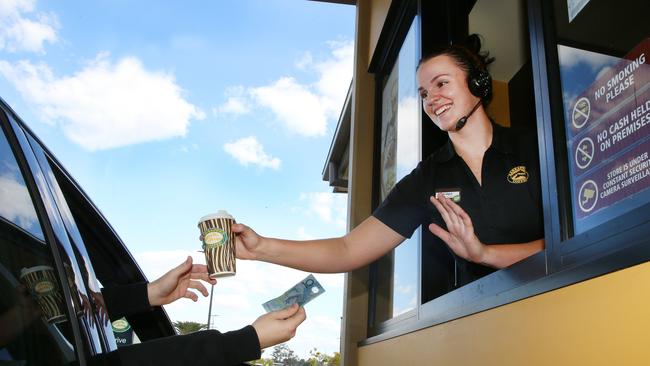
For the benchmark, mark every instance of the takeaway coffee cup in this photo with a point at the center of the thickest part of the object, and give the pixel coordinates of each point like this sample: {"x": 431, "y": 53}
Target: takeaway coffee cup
{"x": 43, "y": 285}
{"x": 218, "y": 243}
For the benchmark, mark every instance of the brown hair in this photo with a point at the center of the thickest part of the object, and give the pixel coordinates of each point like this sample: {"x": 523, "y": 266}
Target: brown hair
{"x": 468, "y": 57}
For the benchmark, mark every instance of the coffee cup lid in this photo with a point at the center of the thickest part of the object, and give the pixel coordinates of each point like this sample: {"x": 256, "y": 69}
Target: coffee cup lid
{"x": 221, "y": 214}
{"x": 26, "y": 271}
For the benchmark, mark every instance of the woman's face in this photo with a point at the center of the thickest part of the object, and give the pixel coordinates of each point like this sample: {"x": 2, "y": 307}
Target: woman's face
{"x": 444, "y": 92}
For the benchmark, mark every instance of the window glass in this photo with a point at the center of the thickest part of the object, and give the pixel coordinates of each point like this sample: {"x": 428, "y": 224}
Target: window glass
{"x": 400, "y": 152}
{"x": 606, "y": 99}
{"x": 75, "y": 278}
{"x": 88, "y": 300}
{"x": 34, "y": 323}
{"x": 17, "y": 206}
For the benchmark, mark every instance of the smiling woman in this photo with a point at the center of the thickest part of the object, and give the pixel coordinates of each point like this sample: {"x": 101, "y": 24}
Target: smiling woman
{"x": 496, "y": 221}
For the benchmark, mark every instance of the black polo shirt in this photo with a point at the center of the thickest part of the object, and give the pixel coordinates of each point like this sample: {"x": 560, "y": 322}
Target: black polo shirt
{"x": 505, "y": 209}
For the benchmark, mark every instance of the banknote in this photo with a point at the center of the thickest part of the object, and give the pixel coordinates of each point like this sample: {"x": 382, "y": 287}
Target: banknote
{"x": 302, "y": 293}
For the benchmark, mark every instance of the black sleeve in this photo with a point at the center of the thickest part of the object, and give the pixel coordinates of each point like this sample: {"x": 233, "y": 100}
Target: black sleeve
{"x": 124, "y": 300}
{"x": 209, "y": 347}
{"x": 405, "y": 208}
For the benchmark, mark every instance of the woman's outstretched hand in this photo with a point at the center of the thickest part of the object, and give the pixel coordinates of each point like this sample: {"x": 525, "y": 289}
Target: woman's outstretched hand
{"x": 247, "y": 242}
{"x": 459, "y": 235}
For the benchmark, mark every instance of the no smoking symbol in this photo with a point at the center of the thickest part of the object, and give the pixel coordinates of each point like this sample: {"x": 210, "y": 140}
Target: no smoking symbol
{"x": 581, "y": 111}
{"x": 584, "y": 153}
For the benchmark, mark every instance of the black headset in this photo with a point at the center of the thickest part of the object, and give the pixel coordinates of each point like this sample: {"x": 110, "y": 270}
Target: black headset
{"x": 479, "y": 83}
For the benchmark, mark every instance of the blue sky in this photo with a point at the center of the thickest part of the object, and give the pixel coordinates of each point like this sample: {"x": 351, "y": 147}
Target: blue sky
{"x": 164, "y": 113}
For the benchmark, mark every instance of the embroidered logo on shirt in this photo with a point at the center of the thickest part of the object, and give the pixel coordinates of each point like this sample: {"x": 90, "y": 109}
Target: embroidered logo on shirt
{"x": 518, "y": 175}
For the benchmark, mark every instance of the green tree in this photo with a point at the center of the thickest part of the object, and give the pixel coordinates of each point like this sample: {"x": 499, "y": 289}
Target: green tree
{"x": 335, "y": 360}
{"x": 285, "y": 356}
{"x": 322, "y": 359}
{"x": 188, "y": 327}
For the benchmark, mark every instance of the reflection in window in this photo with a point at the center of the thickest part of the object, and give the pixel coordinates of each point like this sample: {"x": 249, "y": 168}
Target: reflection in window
{"x": 34, "y": 325}
{"x": 397, "y": 281}
{"x": 16, "y": 204}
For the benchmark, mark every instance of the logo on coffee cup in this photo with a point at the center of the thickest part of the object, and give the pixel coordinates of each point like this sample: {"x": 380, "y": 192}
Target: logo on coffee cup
{"x": 43, "y": 287}
{"x": 120, "y": 325}
{"x": 214, "y": 238}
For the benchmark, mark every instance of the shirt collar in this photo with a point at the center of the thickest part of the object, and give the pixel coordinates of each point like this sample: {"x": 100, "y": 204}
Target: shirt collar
{"x": 500, "y": 142}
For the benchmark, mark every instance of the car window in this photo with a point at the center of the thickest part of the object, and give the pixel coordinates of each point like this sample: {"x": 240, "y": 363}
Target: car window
{"x": 89, "y": 304}
{"x": 35, "y": 327}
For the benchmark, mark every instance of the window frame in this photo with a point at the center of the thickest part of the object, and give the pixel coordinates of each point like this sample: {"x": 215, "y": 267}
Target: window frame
{"x": 401, "y": 17}
{"x": 566, "y": 260}
{"x": 571, "y": 249}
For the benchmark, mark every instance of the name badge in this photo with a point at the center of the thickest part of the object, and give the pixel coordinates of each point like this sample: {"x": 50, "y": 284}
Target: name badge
{"x": 451, "y": 193}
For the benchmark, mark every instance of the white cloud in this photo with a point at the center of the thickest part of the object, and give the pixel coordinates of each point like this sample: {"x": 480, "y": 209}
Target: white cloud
{"x": 106, "y": 105}
{"x": 317, "y": 330}
{"x": 331, "y": 208}
{"x": 248, "y": 150}
{"x": 335, "y": 76}
{"x": 303, "y": 235}
{"x": 408, "y": 133}
{"x": 16, "y": 204}
{"x": 23, "y": 29}
{"x": 295, "y": 105}
{"x": 302, "y": 109}
{"x": 404, "y": 289}
{"x": 236, "y": 104}
{"x": 187, "y": 149}
{"x": 304, "y": 61}
{"x": 233, "y": 301}
{"x": 570, "y": 57}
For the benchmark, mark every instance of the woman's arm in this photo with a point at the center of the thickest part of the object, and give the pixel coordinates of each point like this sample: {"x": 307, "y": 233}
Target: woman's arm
{"x": 364, "y": 244}
{"x": 504, "y": 255}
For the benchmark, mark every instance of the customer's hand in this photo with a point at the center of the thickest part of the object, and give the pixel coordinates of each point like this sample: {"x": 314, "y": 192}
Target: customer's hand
{"x": 176, "y": 284}
{"x": 279, "y": 326}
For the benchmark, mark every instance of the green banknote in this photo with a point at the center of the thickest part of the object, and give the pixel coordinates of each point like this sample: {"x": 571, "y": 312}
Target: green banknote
{"x": 301, "y": 293}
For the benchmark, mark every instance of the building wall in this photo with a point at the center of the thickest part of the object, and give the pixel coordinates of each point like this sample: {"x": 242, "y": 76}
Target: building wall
{"x": 369, "y": 21}
{"x": 603, "y": 321}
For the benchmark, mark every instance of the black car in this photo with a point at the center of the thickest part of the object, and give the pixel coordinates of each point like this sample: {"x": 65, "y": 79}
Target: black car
{"x": 56, "y": 252}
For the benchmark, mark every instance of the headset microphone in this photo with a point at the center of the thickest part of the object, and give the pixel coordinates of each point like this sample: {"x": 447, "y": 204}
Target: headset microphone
{"x": 461, "y": 122}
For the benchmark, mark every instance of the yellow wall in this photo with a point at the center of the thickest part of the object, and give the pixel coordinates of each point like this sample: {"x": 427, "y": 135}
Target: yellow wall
{"x": 603, "y": 321}
{"x": 499, "y": 108}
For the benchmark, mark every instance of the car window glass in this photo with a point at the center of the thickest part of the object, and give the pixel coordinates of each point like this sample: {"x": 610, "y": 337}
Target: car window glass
{"x": 16, "y": 205}
{"x": 90, "y": 310}
{"x": 34, "y": 323}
